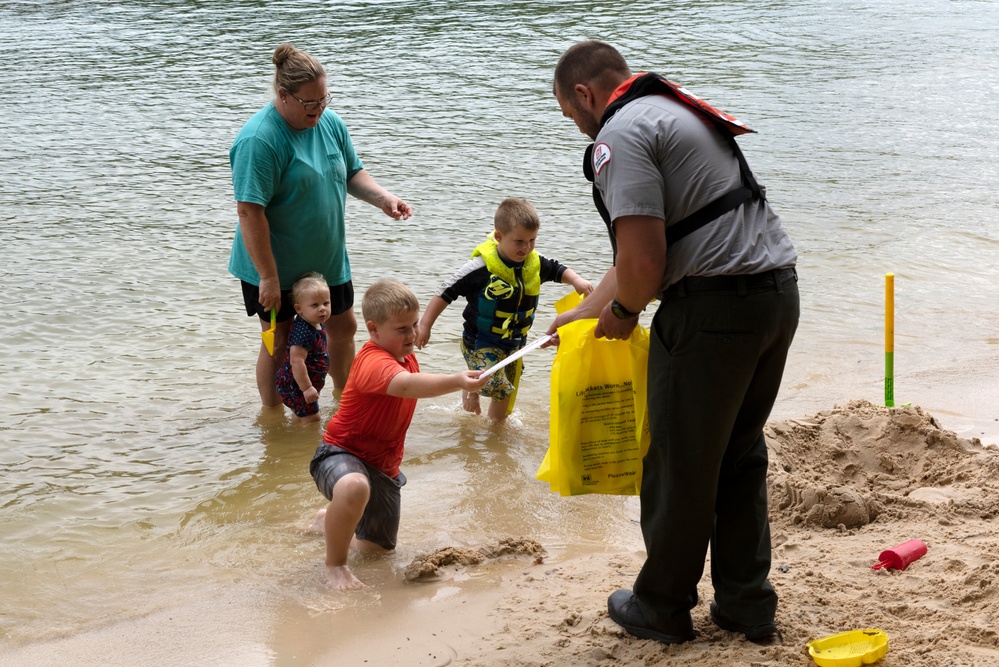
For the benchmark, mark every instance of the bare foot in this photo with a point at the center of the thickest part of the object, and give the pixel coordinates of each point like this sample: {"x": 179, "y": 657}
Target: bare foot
{"x": 470, "y": 401}
{"x": 342, "y": 579}
{"x": 318, "y": 523}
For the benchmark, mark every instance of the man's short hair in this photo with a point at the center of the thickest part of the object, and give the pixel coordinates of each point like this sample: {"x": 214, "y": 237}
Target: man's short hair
{"x": 387, "y": 298}
{"x": 516, "y": 212}
{"x": 590, "y": 62}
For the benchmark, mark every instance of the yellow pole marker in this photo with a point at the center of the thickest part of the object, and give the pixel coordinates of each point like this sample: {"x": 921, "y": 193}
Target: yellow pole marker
{"x": 890, "y": 340}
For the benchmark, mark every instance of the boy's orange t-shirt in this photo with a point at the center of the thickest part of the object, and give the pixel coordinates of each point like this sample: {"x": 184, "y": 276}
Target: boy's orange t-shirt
{"x": 369, "y": 423}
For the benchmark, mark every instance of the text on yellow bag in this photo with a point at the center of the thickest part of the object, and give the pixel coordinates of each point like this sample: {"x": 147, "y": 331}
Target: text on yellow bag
{"x": 599, "y": 430}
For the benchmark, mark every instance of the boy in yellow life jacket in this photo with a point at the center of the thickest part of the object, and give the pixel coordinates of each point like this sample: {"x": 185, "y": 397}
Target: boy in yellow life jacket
{"x": 501, "y": 283}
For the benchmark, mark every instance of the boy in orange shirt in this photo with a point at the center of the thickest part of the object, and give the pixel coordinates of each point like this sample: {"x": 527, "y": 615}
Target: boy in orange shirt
{"x": 357, "y": 466}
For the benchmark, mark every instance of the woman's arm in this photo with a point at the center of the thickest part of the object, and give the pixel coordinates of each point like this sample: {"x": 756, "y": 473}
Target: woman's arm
{"x": 364, "y": 187}
{"x": 256, "y": 233}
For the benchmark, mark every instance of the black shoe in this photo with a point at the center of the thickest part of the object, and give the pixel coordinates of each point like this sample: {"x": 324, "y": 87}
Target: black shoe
{"x": 623, "y": 608}
{"x": 763, "y": 633}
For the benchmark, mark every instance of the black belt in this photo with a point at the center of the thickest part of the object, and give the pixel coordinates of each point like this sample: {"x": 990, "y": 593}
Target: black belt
{"x": 743, "y": 284}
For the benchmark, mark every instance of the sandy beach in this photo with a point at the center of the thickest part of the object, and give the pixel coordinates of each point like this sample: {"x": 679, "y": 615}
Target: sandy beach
{"x": 845, "y": 484}
{"x": 152, "y": 513}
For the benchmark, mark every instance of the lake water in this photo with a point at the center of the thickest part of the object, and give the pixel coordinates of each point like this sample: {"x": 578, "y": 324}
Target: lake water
{"x": 137, "y": 470}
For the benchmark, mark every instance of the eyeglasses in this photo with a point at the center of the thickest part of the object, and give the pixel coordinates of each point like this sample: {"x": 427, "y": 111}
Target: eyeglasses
{"x": 314, "y": 104}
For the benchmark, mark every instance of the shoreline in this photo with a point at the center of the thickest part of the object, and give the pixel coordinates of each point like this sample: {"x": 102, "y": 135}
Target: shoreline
{"x": 845, "y": 483}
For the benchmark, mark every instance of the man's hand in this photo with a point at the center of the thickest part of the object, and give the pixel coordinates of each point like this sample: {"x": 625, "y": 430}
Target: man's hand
{"x": 609, "y": 326}
{"x": 560, "y": 321}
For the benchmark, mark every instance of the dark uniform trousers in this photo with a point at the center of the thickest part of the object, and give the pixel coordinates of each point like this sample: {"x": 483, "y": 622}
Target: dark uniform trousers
{"x": 716, "y": 358}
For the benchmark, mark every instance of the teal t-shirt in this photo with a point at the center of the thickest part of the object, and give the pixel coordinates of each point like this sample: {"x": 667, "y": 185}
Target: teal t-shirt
{"x": 300, "y": 177}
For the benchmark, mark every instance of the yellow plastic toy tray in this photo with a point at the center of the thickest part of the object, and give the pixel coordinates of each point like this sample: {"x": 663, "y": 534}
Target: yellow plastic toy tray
{"x": 849, "y": 649}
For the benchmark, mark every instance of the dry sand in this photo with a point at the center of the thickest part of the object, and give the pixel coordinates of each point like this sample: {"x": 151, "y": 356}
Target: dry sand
{"x": 844, "y": 484}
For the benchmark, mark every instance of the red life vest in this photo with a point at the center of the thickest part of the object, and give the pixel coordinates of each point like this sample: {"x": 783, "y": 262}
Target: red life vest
{"x": 650, "y": 83}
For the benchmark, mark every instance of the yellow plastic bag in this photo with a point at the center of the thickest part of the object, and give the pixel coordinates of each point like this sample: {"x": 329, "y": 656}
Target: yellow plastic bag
{"x": 599, "y": 429}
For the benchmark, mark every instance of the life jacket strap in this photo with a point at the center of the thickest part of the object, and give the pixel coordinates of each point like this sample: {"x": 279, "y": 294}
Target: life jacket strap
{"x": 653, "y": 84}
{"x": 727, "y": 202}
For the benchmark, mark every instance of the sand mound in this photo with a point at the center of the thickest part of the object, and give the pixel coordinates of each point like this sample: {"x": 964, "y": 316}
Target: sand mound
{"x": 847, "y": 466}
{"x": 430, "y": 565}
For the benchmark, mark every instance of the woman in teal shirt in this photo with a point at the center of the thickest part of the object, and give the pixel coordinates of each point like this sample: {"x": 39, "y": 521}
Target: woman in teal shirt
{"x": 293, "y": 164}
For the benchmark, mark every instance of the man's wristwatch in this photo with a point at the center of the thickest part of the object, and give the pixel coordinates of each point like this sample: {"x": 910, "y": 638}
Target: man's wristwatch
{"x": 620, "y": 312}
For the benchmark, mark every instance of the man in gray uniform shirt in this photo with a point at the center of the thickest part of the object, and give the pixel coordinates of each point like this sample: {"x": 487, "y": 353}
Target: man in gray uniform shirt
{"x": 689, "y": 225}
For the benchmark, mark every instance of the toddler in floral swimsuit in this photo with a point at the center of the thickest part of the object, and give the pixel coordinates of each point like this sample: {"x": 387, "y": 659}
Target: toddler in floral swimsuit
{"x": 303, "y": 374}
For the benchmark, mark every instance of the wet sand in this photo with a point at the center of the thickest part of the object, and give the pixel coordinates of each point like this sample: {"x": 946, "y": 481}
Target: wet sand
{"x": 845, "y": 484}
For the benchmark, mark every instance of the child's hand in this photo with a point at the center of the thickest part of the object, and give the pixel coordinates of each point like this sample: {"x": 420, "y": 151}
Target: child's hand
{"x": 422, "y": 336}
{"x": 470, "y": 380}
{"x": 311, "y": 395}
{"x": 583, "y": 287}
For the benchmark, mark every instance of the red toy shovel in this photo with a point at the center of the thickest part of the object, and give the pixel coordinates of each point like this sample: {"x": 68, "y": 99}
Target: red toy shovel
{"x": 900, "y": 557}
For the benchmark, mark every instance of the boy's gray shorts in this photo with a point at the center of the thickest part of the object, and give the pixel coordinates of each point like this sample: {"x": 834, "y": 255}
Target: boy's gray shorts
{"x": 380, "y": 521}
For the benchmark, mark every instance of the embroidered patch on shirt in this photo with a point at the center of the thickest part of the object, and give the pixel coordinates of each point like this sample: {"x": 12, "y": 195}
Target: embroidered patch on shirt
{"x": 601, "y": 156}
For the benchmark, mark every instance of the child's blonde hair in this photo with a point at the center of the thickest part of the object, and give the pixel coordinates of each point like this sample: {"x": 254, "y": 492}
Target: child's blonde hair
{"x": 516, "y": 212}
{"x": 308, "y": 283}
{"x": 386, "y": 298}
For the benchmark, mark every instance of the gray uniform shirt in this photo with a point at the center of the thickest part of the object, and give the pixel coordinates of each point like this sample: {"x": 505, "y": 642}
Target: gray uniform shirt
{"x": 657, "y": 157}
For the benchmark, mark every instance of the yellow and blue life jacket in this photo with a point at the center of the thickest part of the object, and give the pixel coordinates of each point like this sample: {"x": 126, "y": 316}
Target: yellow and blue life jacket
{"x": 507, "y": 305}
